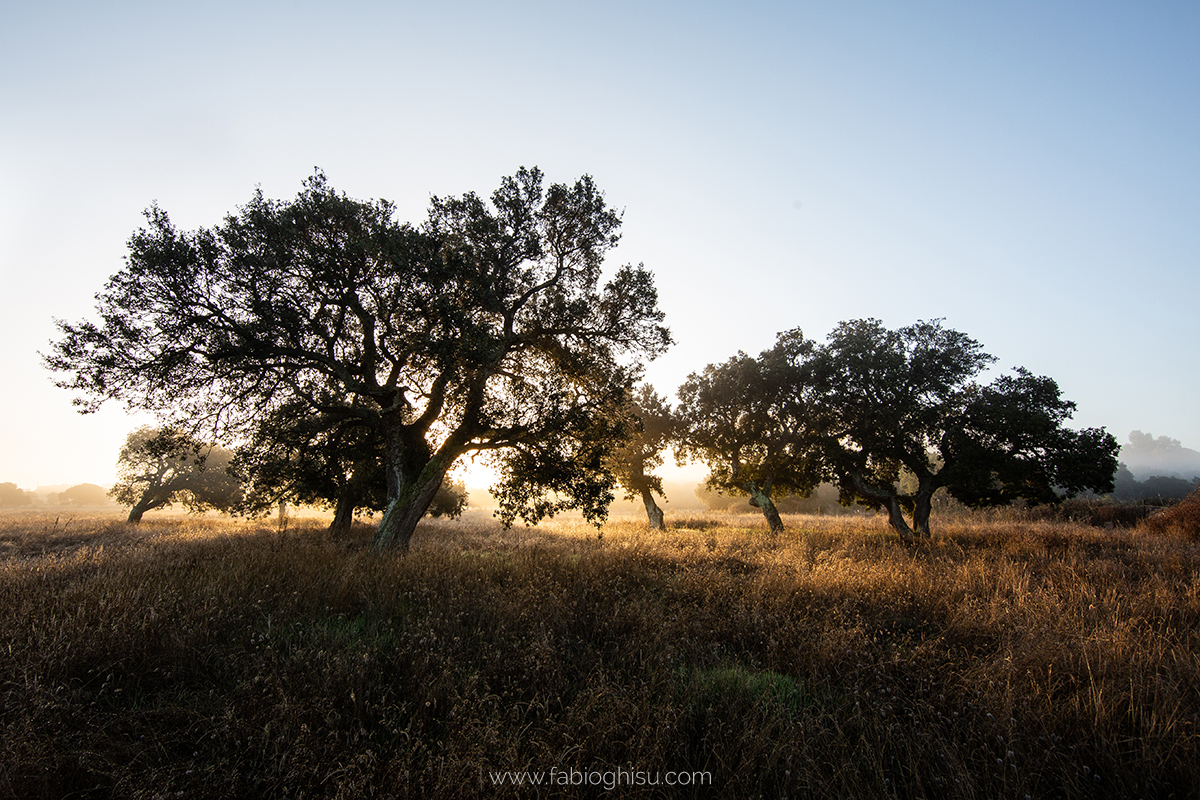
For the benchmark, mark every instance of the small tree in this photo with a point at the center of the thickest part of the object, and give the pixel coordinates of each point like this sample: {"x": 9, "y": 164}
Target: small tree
{"x": 450, "y": 501}
{"x": 740, "y": 418}
{"x": 633, "y": 463}
{"x": 323, "y": 460}
{"x": 299, "y": 457}
{"x": 159, "y": 466}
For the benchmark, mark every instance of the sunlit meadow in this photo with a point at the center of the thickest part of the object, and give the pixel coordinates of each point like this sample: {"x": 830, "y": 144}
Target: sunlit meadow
{"x": 1008, "y": 657}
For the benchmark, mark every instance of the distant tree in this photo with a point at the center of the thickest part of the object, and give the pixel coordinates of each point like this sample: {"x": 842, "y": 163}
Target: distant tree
{"x": 886, "y": 399}
{"x": 159, "y": 466}
{"x": 1125, "y": 485}
{"x": 739, "y": 418}
{"x": 1146, "y": 455}
{"x": 633, "y": 463}
{"x": 1166, "y": 489}
{"x": 82, "y": 494}
{"x": 12, "y": 495}
{"x": 488, "y": 329}
{"x": 714, "y": 500}
{"x": 450, "y": 501}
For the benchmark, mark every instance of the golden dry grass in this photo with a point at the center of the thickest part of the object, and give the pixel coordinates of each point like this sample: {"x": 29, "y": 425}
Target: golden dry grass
{"x": 219, "y": 658}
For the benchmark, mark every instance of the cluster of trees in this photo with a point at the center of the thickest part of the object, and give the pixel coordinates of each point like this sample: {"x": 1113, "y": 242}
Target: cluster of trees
{"x": 358, "y": 358}
{"x": 82, "y": 494}
{"x": 341, "y": 345}
{"x": 890, "y": 417}
{"x": 1158, "y": 489}
{"x": 160, "y": 466}
{"x": 12, "y": 495}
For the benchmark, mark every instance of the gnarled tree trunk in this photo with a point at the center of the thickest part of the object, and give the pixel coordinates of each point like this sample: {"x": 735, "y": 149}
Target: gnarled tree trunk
{"x": 347, "y": 501}
{"x": 763, "y": 500}
{"x": 653, "y": 512}
{"x": 149, "y": 501}
{"x": 896, "y": 519}
{"x": 399, "y": 522}
{"x": 343, "y": 514}
{"x": 921, "y": 511}
{"x": 888, "y": 500}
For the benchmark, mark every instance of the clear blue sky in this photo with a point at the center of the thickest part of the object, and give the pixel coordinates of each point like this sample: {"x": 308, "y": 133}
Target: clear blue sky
{"x": 1029, "y": 171}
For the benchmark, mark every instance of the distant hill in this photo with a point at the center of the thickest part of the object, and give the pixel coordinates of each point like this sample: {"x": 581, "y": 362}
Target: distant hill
{"x": 1147, "y": 456}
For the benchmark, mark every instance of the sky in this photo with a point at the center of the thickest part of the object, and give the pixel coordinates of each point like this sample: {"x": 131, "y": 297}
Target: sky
{"x": 1028, "y": 171}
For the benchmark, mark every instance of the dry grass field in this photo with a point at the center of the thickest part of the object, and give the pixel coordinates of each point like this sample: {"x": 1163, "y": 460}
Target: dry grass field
{"x": 214, "y": 658}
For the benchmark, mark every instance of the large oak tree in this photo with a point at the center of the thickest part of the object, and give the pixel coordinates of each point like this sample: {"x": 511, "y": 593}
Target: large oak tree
{"x": 487, "y": 328}
{"x": 878, "y": 400}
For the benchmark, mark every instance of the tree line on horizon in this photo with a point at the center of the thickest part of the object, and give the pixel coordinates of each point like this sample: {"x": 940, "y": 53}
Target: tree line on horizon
{"x": 357, "y": 359}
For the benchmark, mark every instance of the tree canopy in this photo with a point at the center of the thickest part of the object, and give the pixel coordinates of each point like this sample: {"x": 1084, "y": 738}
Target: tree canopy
{"x": 870, "y": 402}
{"x": 81, "y": 494}
{"x": 309, "y": 459}
{"x": 159, "y": 466}
{"x": 878, "y": 400}
{"x": 741, "y": 419}
{"x": 488, "y": 328}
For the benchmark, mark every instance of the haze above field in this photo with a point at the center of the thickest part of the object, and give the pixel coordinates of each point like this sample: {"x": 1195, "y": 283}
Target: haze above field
{"x": 1027, "y": 171}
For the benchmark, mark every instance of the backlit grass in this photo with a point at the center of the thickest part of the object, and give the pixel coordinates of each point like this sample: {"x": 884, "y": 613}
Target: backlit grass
{"x": 221, "y": 658}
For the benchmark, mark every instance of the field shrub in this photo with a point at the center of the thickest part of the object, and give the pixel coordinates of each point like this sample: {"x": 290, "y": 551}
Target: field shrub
{"x": 1182, "y": 519}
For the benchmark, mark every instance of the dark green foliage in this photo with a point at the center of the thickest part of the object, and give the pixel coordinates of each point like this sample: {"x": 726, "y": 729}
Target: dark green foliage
{"x": 322, "y": 327}
{"x": 450, "y": 500}
{"x": 740, "y": 419}
{"x": 890, "y": 416}
{"x": 320, "y": 459}
{"x": 652, "y": 429}
{"x": 884, "y": 399}
{"x": 1157, "y": 489}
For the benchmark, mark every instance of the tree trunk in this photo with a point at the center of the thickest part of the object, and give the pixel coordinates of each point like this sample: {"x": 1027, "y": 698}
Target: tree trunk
{"x": 343, "y": 515}
{"x": 889, "y": 500}
{"x": 761, "y": 499}
{"x": 921, "y": 511}
{"x": 151, "y": 499}
{"x": 399, "y": 522}
{"x": 653, "y": 512}
{"x": 347, "y": 501}
{"x": 897, "y": 521}
{"x": 414, "y": 474}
